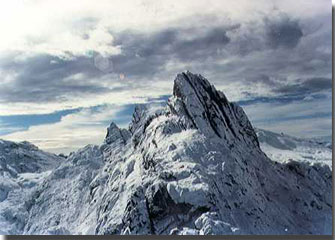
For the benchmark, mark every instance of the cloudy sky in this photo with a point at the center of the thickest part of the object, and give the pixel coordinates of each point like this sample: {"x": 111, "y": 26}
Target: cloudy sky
{"x": 69, "y": 68}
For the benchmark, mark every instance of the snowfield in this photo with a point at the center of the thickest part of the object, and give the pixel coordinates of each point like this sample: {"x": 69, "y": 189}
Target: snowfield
{"x": 193, "y": 166}
{"x": 283, "y": 148}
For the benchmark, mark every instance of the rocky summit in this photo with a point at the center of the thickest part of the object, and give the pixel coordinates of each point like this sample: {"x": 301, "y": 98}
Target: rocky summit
{"x": 192, "y": 166}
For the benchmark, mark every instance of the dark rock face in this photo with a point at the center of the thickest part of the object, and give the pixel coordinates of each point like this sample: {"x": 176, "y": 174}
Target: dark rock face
{"x": 114, "y": 133}
{"x": 203, "y": 105}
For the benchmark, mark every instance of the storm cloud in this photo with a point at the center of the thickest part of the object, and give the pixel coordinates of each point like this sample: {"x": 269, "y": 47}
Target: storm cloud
{"x": 147, "y": 54}
{"x": 283, "y": 33}
{"x": 306, "y": 87}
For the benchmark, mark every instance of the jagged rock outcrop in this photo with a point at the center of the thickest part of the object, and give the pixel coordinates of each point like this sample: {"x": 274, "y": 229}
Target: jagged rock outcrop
{"x": 193, "y": 166}
{"x": 209, "y": 111}
{"x": 115, "y": 134}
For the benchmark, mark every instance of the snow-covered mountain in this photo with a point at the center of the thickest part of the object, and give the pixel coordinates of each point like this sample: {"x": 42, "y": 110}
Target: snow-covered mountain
{"x": 283, "y": 148}
{"x": 193, "y": 166}
{"x": 23, "y": 167}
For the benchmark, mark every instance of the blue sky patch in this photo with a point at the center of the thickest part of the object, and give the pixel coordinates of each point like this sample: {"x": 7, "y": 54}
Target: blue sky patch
{"x": 14, "y": 123}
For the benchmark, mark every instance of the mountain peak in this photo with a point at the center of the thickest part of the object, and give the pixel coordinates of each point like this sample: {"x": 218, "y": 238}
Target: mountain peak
{"x": 115, "y": 134}
{"x": 208, "y": 110}
{"x": 188, "y": 80}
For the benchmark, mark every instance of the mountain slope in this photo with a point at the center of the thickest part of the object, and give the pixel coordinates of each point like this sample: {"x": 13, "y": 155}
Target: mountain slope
{"x": 63, "y": 204}
{"x": 194, "y": 166}
{"x": 282, "y": 148}
{"x": 23, "y": 167}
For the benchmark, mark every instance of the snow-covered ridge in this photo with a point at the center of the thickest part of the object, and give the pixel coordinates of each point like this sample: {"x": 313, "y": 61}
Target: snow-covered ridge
{"x": 23, "y": 167}
{"x": 193, "y": 166}
{"x": 25, "y": 157}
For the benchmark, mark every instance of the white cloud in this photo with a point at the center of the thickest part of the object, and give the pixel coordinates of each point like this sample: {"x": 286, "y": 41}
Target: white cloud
{"x": 72, "y": 132}
{"x": 63, "y": 28}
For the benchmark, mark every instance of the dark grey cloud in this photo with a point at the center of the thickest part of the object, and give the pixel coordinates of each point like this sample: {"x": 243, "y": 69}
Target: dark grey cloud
{"x": 48, "y": 94}
{"x": 273, "y": 31}
{"x": 306, "y": 87}
{"x": 262, "y": 78}
{"x": 259, "y": 62}
{"x": 311, "y": 89}
{"x": 147, "y": 53}
{"x": 284, "y": 32}
{"x": 43, "y": 78}
{"x": 202, "y": 47}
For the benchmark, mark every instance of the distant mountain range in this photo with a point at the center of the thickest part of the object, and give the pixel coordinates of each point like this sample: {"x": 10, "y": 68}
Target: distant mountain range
{"x": 282, "y": 148}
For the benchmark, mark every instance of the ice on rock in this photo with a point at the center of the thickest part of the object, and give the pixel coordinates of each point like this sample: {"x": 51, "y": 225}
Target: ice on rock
{"x": 210, "y": 224}
{"x": 186, "y": 191}
{"x": 192, "y": 166}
